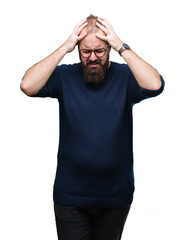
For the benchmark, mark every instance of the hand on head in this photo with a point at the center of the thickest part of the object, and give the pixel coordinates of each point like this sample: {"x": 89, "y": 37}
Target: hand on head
{"x": 75, "y": 36}
{"x": 111, "y": 37}
{"x": 106, "y": 33}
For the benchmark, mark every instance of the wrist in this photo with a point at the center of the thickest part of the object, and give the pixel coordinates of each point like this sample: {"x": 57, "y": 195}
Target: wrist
{"x": 63, "y": 49}
{"x": 126, "y": 54}
{"x": 123, "y": 48}
{"x": 119, "y": 46}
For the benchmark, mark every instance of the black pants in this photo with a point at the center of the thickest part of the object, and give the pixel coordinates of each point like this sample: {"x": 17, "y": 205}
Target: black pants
{"x": 74, "y": 223}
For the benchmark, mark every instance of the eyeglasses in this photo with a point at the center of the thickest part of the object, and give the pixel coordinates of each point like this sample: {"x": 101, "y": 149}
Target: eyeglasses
{"x": 100, "y": 52}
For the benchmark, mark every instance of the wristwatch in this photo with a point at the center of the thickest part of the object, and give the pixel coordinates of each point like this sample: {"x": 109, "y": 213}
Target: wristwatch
{"x": 123, "y": 48}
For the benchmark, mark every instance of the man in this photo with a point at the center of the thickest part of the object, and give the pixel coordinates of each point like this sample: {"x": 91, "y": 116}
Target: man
{"x": 94, "y": 183}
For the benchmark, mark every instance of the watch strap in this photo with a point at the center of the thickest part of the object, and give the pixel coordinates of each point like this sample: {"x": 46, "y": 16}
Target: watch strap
{"x": 123, "y": 48}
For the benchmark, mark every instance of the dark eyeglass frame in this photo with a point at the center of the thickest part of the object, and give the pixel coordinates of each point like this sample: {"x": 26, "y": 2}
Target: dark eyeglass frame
{"x": 95, "y": 52}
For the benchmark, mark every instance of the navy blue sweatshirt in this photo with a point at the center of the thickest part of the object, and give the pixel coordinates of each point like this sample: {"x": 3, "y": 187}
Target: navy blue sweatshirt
{"x": 95, "y": 154}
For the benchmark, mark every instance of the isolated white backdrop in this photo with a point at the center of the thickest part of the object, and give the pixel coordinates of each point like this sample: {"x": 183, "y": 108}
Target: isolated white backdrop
{"x": 31, "y": 30}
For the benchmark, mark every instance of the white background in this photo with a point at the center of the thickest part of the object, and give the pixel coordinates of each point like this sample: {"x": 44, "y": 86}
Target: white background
{"x": 31, "y": 30}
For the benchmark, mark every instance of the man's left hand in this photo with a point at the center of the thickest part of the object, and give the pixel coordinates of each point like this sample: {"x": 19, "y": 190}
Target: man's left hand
{"x": 111, "y": 36}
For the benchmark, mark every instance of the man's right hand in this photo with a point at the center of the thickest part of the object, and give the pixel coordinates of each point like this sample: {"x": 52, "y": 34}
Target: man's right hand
{"x": 37, "y": 76}
{"x": 73, "y": 39}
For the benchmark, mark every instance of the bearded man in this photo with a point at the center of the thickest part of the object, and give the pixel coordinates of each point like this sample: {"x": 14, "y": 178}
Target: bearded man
{"x": 94, "y": 183}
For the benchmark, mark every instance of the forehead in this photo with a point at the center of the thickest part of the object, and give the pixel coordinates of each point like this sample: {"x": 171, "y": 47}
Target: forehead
{"x": 92, "y": 42}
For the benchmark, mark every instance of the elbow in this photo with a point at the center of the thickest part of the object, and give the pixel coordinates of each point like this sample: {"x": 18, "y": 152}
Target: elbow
{"x": 25, "y": 88}
{"x": 157, "y": 86}
{"x": 156, "y": 83}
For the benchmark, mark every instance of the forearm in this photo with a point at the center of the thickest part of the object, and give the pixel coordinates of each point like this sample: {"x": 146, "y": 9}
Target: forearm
{"x": 37, "y": 76}
{"x": 146, "y": 76}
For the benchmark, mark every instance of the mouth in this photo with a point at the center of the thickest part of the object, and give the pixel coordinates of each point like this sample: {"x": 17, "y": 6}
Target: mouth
{"x": 94, "y": 65}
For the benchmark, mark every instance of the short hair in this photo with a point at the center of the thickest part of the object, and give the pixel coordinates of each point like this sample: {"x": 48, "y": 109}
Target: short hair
{"x": 91, "y": 27}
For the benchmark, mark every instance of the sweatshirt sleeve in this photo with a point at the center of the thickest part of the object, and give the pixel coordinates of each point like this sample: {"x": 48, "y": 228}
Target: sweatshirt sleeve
{"x": 137, "y": 93}
{"x": 52, "y": 87}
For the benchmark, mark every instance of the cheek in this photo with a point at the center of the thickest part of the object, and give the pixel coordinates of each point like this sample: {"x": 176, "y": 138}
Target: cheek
{"x": 104, "y": 59}
{"x": 84, "y": 61}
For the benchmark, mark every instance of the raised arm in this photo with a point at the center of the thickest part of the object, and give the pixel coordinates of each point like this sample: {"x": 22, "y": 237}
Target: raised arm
{"x": 145, "y": 75}
{"x": 37, "y": 76}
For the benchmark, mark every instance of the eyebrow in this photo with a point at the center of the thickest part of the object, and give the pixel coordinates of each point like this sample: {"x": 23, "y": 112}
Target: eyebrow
{"x": 85, "y": 46}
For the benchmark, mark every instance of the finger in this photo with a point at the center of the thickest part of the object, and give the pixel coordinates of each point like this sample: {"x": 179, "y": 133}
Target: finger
{"x": 101, "y": 21}
{"x": 101, "y": 37}
{"x": 82, "y": 22}
{"x": 77, "y": 30}
{"x": 105, "y": 22}
{"x": 102, "y": 27}
{"x": 81, "y": 28}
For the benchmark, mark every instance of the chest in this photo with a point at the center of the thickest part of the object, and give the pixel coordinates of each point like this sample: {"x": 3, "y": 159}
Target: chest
{"x": 110, "y": 99}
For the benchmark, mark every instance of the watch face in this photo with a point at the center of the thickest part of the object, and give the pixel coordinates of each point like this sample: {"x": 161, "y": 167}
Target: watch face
{"x": 126, "y": 46}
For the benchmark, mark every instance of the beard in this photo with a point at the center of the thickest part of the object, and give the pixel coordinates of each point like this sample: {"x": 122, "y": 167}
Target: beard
{"x": 94, "y": 76}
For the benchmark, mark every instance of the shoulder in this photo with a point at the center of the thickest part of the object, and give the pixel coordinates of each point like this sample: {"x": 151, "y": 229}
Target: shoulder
{"x": 69, "y": 67}
{"x": 121, "y": 66}
{"x": 68, "y": 71}
{"x": 120, "y": 69}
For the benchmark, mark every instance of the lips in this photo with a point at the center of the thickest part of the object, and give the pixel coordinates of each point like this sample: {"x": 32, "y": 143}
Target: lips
{"x": 94, "y": 65}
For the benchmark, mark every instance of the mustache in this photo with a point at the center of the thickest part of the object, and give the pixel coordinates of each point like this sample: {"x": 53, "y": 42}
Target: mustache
{"x": 94, "y": 62}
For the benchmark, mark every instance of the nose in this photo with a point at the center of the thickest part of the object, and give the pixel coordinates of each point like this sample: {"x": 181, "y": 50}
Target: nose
{"x": 93, "y": 56}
